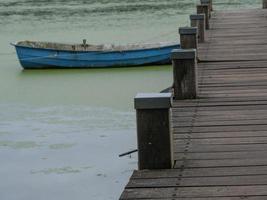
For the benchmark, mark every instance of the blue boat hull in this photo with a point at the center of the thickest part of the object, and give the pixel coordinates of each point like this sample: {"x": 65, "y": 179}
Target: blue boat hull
{"x": 38, "y": 58}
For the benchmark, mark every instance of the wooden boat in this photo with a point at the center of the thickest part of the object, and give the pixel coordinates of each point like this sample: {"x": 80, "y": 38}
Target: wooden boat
{"x": 37, "y": 55}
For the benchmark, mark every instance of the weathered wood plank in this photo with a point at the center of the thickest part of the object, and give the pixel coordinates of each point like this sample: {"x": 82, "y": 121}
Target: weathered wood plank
{"x": 226, "y": 128}
{"x": 211, "y": 198}
{"x": 199, "y": 181}
{"x": 222, "y": 148}
{"x": 222, "y": 163}
{"x": 201, "y": 172}
{"x": 220, "y": 123}
{"x": 195, "y": 192}
{"x": 220, "y": 155}
{"x": 238, "y": 134}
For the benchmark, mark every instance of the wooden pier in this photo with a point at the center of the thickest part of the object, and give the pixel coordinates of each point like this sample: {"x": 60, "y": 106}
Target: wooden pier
{"x": 219, "y": 139}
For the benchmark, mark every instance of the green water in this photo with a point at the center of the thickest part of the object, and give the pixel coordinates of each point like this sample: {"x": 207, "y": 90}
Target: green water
{"x": 61, "y": 130}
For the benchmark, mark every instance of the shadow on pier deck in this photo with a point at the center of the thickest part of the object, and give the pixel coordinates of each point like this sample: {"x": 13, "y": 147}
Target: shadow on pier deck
{"x": 220, "y": 138}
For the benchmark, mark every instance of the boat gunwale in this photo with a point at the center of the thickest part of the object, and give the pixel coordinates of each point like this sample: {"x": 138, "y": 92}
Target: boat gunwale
{"x": 103, "y": 51}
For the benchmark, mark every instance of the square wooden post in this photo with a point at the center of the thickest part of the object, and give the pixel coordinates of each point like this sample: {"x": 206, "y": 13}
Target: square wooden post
{"x": 211, "y": 5}
{"x": 264, "y": 4}
{"x": 199, "y": 22}
{"x": 188, "y": 37}
{"x": 184, "y": 74}
{"x": 208, "y": 2}
{"x": 204, "y": 9}
{"x": 154, "y": 130}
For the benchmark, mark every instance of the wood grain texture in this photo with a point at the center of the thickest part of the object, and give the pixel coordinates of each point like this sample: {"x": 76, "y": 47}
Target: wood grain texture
{"x": 154, "y": 139}
{"x": 185, "y": 79}
{"x": 200, "y": 24}
{"x": 188, "y": 41}
{"x": 204, "y": 9}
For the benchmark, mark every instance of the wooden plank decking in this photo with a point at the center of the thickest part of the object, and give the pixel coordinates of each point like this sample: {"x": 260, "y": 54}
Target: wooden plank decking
{"x": 221, "y": 137}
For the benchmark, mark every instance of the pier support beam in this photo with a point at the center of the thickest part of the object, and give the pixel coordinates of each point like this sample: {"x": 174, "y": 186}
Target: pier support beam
{"x": 184, "y": 74}
{"x": 188, "y": 37}
{"x": 153, "y": 130}
{"x": 264, "y": 4}
{"x": 199, "y": 22}
{"x": 204, "y": 9}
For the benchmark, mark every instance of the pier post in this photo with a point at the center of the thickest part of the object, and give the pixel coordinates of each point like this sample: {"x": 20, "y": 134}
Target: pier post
{"x": 199, "y": 22}
{"x": 184, "y": 74}
{"x": 153, "y": 130}
{"x": 204, "y": 9}
{"x": 211, "y": 5}
{"x": 208, "y": 2}
{"x": 264, "y": 4}
{"x": 188, "y": 37}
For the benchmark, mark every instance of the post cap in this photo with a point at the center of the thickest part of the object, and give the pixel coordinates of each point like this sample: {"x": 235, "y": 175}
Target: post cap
{"x": 188, "y": 30}
{"x": 205, "y": 1}
{"x": 183, "y": 54}
{"x": 205, "y": 5}
{"x": 197, "y": 17}
{"x": 153, "y": 100}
